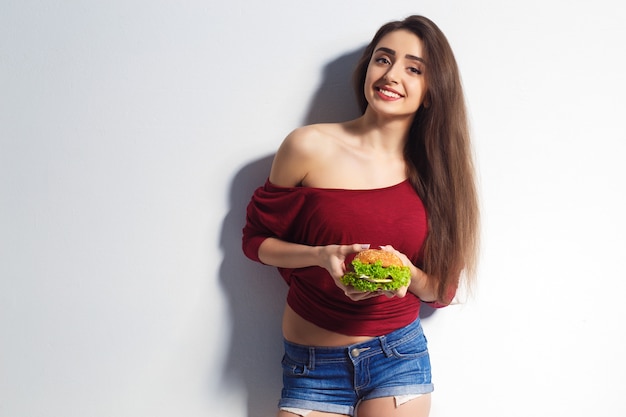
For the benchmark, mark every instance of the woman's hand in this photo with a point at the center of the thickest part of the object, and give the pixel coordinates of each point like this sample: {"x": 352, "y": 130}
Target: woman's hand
{"x": 334, "y": 261}
{"x": 420, "y": 284}
{"x": 402, "y": 291}
{"x": 333, "y": 258}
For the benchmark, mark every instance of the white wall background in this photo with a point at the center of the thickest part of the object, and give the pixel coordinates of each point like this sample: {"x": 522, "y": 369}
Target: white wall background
{"x": 133, "y": 132}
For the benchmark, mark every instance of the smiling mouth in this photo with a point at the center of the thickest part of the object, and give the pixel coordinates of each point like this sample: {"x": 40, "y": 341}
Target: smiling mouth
{"x": 388, "y": 93}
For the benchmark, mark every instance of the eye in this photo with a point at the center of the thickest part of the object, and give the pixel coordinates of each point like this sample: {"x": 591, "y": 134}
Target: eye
{"x": 382, "y": 60}
{"x": 415, "y": 70}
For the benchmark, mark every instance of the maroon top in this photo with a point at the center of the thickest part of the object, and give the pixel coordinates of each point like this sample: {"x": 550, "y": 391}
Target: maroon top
{"x": 392, "y": 215}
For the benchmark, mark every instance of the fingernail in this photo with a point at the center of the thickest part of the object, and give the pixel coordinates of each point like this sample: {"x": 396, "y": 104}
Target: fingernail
{"x": 365, "y": 246}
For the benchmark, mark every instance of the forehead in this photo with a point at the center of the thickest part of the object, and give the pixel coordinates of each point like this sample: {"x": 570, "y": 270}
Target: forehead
{"x": 403, "y": 42}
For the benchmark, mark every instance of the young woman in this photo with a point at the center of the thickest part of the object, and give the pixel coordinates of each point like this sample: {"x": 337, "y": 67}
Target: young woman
{"x": 400, "y": 177}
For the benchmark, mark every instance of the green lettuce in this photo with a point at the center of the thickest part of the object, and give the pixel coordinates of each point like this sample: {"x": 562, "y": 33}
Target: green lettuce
{"x": 399, "y": 275}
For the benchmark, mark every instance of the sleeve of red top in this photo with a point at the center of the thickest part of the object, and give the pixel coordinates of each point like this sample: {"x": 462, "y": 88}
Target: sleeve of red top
{"x": 270, "y": 213}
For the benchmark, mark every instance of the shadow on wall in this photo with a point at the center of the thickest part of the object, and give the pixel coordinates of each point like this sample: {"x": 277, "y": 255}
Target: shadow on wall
{"x": 257, "y": 292}
{"x": 256, "y": 295}
{"x": 335, "y": 100}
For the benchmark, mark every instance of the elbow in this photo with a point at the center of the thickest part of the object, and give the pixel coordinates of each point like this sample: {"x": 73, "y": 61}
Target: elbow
{"x": 250, "y": 247}
{"x": 446, "y": 296}
{"x": 438, "y": 303}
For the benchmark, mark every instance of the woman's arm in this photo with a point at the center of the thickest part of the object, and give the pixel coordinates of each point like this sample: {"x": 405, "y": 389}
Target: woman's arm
{"x": 422, "y": 285}
{"x": 427, "y": 289}
{"x": 283, "y": 254}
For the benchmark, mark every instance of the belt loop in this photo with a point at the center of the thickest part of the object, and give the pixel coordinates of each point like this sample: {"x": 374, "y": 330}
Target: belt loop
{"x": 384, "y": 346}
{"x": 311, "y": 358}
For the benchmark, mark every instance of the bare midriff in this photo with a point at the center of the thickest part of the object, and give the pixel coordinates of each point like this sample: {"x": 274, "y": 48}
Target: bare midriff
{"x": 300, "y": 331}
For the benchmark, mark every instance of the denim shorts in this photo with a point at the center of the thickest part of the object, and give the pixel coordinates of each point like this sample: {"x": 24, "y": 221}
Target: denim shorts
{"x": 335, "y": 379}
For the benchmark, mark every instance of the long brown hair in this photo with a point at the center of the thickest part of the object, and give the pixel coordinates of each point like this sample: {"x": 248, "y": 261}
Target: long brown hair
{"x": 439, "y": 157}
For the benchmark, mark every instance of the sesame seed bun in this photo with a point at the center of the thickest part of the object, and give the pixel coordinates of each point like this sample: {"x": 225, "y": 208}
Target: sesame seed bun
{"x": 371, "y": 256}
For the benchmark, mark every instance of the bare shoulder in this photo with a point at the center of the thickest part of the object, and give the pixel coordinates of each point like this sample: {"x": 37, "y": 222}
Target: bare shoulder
{"x": 301, "y": 151}
{"x": 309, "y": 140}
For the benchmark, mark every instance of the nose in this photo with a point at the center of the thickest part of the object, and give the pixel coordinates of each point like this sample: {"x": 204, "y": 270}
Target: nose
{"x": 391, "y": 76}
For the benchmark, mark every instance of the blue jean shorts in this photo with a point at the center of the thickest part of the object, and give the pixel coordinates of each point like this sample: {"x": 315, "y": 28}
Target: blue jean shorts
{"x": 336, "y": 379}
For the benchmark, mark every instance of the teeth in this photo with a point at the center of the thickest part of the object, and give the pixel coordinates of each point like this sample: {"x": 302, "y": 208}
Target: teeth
{"x": 389, "y": 93}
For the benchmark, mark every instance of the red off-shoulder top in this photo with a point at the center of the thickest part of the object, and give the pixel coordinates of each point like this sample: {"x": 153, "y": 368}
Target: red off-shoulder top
{"x": 392, "y": 215}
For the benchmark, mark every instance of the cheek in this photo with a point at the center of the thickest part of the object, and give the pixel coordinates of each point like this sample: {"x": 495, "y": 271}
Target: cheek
{"x": 419, "y": 87}
{"x": 368, "y": 79}
{"x": 374, "y": 73}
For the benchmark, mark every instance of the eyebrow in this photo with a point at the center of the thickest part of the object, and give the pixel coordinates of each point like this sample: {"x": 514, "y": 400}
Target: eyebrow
{"x": 392, "y": 52}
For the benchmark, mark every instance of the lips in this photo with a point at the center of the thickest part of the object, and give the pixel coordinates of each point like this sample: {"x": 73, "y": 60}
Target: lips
{"x": 388, "y": 93}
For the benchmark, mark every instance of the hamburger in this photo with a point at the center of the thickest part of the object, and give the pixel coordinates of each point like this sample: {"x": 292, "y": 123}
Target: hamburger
{"x": 377, "y": 270}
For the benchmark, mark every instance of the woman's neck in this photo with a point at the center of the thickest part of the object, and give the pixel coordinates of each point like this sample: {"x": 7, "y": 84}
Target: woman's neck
{"x": 385, "y": 134}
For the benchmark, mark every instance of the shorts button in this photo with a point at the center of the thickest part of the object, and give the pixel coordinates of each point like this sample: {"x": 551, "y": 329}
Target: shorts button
{"x": 355, "y": 352}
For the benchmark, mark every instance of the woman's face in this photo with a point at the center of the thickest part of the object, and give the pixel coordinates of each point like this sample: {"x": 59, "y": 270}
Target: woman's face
{"x": 395, "y": 84}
